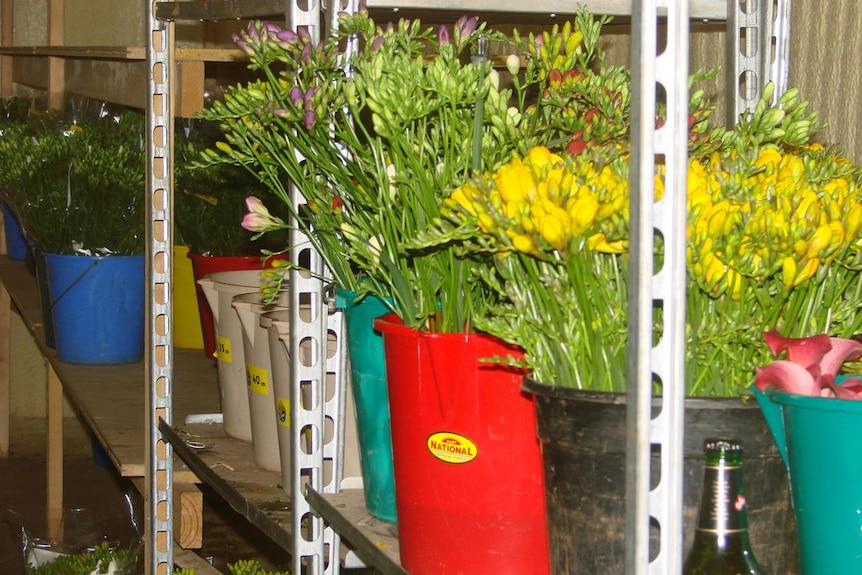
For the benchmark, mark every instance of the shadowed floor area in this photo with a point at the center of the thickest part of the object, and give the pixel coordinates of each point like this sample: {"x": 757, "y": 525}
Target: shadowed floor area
{"x": 89, "y": 486}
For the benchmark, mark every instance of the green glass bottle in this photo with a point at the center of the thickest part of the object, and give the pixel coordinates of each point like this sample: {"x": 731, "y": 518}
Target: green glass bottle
{"x": 721, "y": 545}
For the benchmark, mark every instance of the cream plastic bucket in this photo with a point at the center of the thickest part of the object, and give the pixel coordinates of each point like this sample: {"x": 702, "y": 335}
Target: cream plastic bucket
{"x": 278, "y": 324}
{"x": 258, "y": 368}
{"x": 219, "y": 289}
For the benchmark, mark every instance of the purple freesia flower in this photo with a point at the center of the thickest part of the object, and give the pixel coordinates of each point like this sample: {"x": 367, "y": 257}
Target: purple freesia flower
{"x": 296, "y": 95}
{"x": 287, "y": 36}
{"x": 810, "y": 366}
{"x": 305, "y": 57}
{"x": 309, "y": 119}
{"x": 377, "y": 43}
{"x": 242, "y": 44}
{"x": 443, "y": 35}
{"x": 270, "y": 31}
{"x": 465, "y": 27}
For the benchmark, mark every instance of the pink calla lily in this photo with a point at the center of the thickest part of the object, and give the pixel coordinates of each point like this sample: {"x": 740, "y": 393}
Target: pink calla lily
{"x": 811, "y": 366}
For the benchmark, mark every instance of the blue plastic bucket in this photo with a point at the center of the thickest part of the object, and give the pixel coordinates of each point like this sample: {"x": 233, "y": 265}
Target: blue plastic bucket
{"x": 16, "y": 243}
{"x": 818, "y": 438}
{"x": 371, "y": 398}
{"x": 98, "y": 308}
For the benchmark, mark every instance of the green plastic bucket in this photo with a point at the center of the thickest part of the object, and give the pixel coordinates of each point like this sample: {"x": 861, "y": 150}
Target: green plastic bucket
{"x": 368, "y": 373}
{"x": 819, "y": 440}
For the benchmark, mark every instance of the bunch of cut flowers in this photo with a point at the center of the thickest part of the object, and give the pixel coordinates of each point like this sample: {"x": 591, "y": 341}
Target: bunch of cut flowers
{"x": 773, "y": 243}
{"x": 375, "y": 125}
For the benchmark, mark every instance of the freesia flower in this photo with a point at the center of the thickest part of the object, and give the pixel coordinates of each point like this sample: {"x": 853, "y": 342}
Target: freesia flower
{"x": 811, "y": 366}
{"x": 258, "y": 219}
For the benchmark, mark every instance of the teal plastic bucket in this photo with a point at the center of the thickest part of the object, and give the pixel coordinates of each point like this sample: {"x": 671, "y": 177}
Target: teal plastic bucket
{"x": 98, "y": 308}
{"x": 819, "y": 438}
{"x": 371, "y": 398}
{"x": 16, "y": 243}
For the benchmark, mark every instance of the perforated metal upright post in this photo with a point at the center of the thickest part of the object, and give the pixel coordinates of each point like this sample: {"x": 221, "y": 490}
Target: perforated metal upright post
{"x": 758, "y": 32}
{"x": 662, "y": 288}
{"x": 777, "y": 49}
{"x": 317, "y": 372}
{"x": 158, "y": 363}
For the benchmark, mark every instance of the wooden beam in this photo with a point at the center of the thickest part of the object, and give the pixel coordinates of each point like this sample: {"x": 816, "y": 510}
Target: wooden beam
{"x": 55, "y": 454}
{"x": 5, "y": 365}
{"x": 188, "y": 513}
{"x": 56, "y": 66}
{"x": 190, "y": 80}
{"x": 7, "y": 29}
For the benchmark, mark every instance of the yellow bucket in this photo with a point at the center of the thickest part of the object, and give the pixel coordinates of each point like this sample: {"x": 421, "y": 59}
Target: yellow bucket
{"x": 187, "y": 319}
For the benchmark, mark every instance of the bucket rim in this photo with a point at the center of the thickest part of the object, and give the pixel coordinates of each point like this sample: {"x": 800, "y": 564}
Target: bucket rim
{"x": 392, "y": 324}
{"x": 535, "y": 387}
{"x": 816, "y": 402}
{"x": 254, "y": 300}
{"x": 225, "y": 276}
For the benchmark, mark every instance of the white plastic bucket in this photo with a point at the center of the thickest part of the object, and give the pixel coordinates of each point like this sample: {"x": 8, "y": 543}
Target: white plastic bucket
{"x": 259, "y": 379}
{"x": 278, "y": 324}
{"x": 219, "y": 289}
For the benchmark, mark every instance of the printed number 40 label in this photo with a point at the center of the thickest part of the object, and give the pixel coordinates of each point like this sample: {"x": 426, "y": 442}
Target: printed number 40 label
{"x": 258, "y": 379}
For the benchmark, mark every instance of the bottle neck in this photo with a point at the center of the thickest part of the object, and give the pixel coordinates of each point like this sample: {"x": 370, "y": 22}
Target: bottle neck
{"x": 722, "y": 510}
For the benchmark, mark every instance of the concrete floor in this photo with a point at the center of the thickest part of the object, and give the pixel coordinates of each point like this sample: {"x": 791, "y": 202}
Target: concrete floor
{"x": 100, "y": 490}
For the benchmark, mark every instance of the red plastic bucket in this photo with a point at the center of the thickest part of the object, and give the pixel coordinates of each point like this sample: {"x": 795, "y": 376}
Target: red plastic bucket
{"x": 469, "y": 483}
{"x": 202, "y": 266}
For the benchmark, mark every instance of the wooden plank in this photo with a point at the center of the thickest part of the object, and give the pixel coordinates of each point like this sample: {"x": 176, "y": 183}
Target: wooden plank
{"x": 56, "y": 67}
{"x": 190, "y": 560}
{"x": 55, "y": 455}
{"x": 5, "y": 368}
{"x": 7, "y": 31}
{"x": 227, "y": 466}
{"x": 189, "y": 97}
{"x": 123, "y": 53}
{"x": 121, "y": 82}
{"x": 373, "y": 541}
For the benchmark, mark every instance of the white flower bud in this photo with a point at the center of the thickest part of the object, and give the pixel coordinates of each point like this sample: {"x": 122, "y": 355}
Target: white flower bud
{"x": 494, "y": 78}
{"x": 513, "y": 64}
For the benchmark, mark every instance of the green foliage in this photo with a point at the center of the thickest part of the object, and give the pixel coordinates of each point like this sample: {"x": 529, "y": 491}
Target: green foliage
{"x": 251, "y": 567}
{"x": 241, "y": 567}
{"x": 375, "y": 151}
{"x": 77, "y": 185}
{"x": 126, "y": 562}
{"x": 209, "y": 202}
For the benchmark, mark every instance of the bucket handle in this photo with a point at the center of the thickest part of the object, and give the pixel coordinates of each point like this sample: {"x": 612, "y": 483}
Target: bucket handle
{"x": 77, "y": 280}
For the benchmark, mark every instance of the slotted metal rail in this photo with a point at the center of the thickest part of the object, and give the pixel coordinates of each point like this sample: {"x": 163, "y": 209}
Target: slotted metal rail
{"x": 758, "y": 35}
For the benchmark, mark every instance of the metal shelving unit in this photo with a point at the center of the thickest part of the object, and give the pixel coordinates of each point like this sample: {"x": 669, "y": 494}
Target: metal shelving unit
{"x": 316, "y": 545}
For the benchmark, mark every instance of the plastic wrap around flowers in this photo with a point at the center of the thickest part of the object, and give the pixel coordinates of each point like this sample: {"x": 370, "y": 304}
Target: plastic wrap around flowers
{"x": 811, "y": 366}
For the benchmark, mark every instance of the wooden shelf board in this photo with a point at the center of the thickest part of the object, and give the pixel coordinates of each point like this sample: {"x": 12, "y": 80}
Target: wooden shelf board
{"x": 227, "y": 466}
{"x": 133, "y": 53}
{"x": 110, "y": 398}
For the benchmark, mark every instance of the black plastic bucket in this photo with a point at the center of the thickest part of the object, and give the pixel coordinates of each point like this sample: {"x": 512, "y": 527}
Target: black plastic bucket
{"x": 583, "y": 436}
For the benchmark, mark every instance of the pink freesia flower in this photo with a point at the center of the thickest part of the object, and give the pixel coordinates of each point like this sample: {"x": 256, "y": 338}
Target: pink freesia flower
{"x": 258, "y": 219}
{"x": 811, "y": 365}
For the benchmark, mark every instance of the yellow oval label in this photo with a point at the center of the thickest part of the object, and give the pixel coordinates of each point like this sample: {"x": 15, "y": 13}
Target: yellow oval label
{"x": 451, "y": 447}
